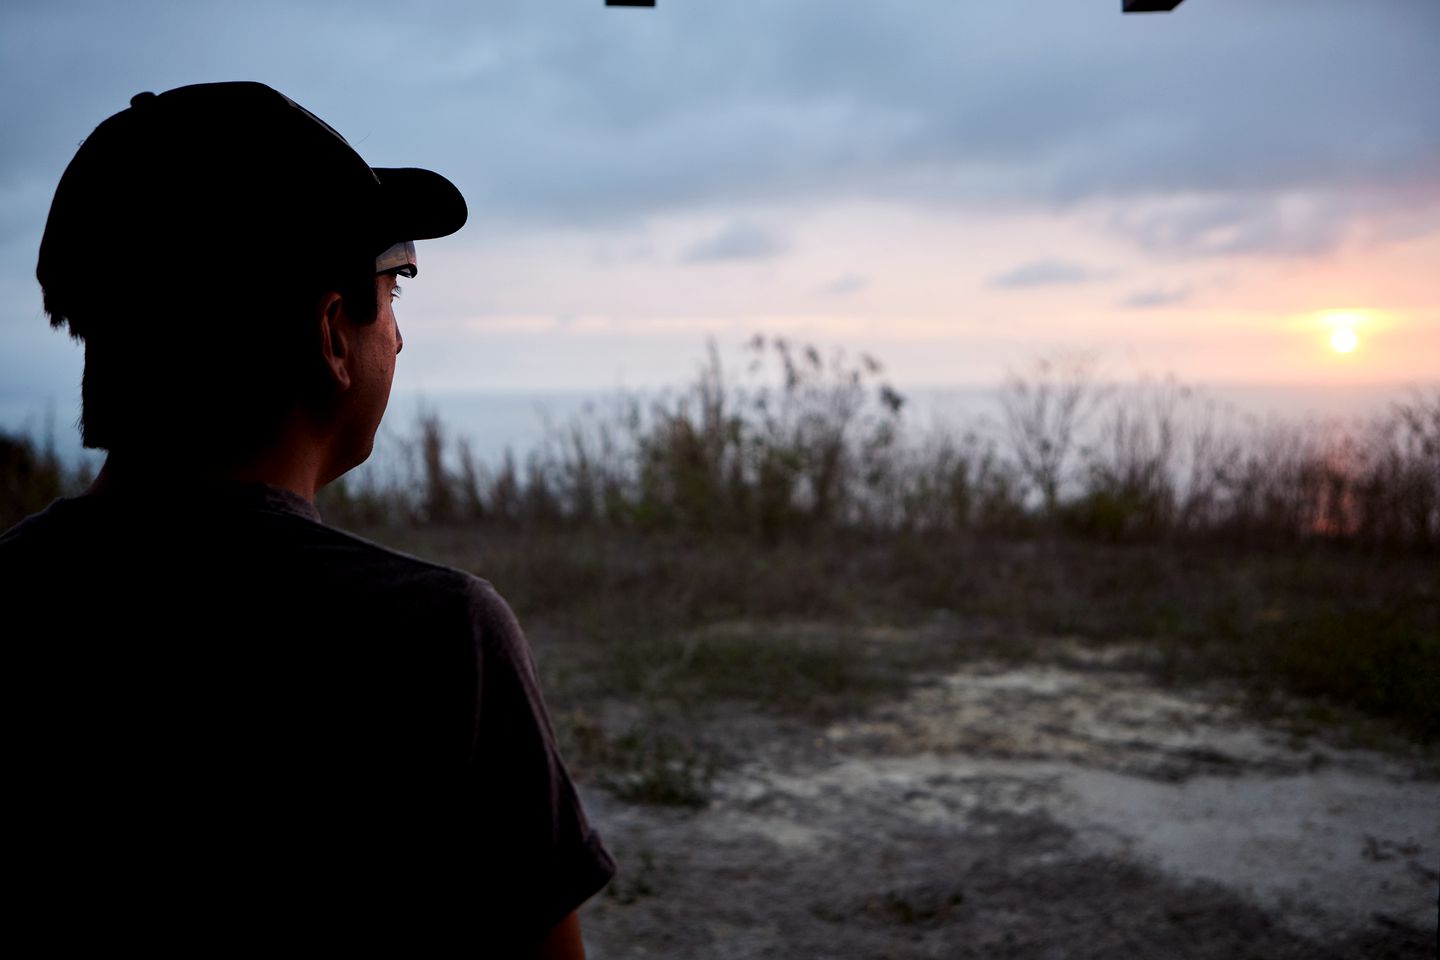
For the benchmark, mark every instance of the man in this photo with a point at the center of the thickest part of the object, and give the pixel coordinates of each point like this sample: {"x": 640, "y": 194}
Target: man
{"x": 234, "y": 726}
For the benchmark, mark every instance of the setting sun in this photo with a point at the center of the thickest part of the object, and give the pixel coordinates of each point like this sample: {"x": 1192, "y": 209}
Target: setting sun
{"x": 1341, "y": 327}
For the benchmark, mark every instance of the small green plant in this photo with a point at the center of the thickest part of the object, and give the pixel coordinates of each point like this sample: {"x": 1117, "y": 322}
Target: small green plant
{"x": 635, "y": 879}
{"x": 646, "y": 765}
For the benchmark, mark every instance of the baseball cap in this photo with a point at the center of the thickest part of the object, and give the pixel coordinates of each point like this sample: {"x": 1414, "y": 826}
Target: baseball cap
{"x": 202, "y": 177}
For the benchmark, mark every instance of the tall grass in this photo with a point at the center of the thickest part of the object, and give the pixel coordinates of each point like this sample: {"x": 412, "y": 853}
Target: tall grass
{"x": 800, "y": 442}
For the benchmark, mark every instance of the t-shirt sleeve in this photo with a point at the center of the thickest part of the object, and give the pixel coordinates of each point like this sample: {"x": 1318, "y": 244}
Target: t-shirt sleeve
{"x": 541, "y": 851}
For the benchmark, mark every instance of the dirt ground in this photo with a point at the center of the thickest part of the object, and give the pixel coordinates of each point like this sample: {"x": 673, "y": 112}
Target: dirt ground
{"x": 1070, "y": 808}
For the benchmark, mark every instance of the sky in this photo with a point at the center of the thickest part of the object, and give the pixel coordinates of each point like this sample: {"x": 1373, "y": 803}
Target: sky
{"x": 954, "y": 186}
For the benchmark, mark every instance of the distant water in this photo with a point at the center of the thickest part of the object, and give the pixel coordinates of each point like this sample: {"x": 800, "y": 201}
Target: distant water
{"x": 493, "y": 422}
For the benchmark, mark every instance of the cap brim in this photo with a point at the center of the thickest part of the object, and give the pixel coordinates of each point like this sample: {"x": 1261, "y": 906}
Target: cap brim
{"x": 420, "y": 204}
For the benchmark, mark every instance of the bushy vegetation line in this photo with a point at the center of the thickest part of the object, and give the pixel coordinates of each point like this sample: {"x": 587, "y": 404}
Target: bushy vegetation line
{"x": 801, "y": 443}
{"x": 821, "y": 444}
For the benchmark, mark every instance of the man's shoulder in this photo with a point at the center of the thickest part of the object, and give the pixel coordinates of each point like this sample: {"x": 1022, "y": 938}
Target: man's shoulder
{"x": 385, "y": 578}
{"x": 372, "y": 575}
{"x": 381, "y": 565}
{"x": 40, "y": 539}
{"x": 27, "y": 527}
{"x": 264, "y": 552}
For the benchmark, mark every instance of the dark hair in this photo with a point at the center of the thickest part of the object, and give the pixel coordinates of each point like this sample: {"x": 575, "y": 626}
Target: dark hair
{"x": 208, "y": 360}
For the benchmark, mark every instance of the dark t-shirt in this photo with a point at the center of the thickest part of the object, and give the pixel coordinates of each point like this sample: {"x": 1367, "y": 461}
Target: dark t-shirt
{"x": 231, "y": 722}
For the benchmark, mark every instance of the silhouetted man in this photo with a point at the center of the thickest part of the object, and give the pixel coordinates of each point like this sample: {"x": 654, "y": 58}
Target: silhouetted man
{"x": 233, "y": 726}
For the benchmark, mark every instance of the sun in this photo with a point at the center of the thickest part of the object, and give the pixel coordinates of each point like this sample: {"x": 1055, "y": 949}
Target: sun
{"x": 1341, "y": 327}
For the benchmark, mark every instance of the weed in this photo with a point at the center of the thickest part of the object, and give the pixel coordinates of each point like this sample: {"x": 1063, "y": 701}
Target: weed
{"x": 634, "y": 882}
{"x": 649, "y": 766}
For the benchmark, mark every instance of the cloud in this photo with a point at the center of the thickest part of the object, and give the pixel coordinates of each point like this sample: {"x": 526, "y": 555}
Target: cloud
{"x": 1047, "y": 273}
{"x": 612, "y": 254}
{"x": 739, "y": 240}
{"x": 1280, "y": 224}
{"x": 844, "y": 286}
{"x": 1156, "y": 297}
{"x": 553, "y": 114}
{"x": 1267, "y": 226}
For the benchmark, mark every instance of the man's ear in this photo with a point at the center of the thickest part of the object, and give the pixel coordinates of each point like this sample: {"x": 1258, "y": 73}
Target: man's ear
{"x": 335, "y": 343}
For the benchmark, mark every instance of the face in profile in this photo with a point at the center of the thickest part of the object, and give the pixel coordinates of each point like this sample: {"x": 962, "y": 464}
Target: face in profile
{"x": 376, "y": 346}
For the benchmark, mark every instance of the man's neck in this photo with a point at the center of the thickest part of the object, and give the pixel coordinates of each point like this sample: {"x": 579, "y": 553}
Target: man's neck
{"x": 124, "y": 472}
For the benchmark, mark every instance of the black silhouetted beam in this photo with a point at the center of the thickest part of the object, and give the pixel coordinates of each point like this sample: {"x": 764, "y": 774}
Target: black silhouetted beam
{"x": 1150, "y": 6}
{"x": 629, "y": 3}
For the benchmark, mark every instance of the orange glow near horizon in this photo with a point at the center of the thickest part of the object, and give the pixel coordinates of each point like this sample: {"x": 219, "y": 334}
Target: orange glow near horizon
{"x": 1346, "y": 319}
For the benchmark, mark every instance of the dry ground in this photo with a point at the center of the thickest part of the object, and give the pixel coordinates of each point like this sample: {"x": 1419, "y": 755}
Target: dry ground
{"x": 1066, "y": 807}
